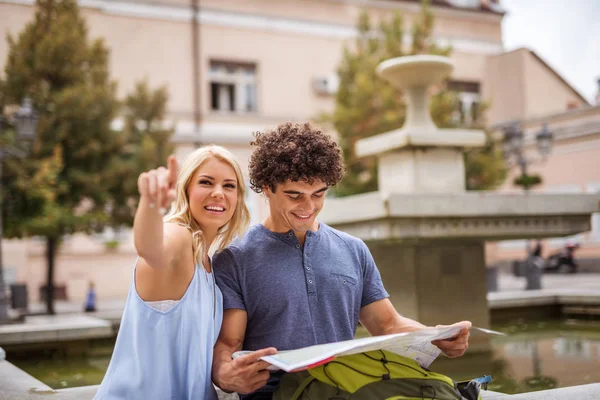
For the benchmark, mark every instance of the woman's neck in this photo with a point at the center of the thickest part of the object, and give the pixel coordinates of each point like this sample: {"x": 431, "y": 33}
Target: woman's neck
{"x": 208, "y": 237}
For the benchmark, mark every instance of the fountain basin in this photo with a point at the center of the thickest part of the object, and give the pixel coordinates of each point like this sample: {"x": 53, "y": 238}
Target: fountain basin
{"x": 420, "y": 70}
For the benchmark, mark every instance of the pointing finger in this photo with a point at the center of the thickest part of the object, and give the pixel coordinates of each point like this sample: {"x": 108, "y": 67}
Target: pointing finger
{"x": 173, "y": 169}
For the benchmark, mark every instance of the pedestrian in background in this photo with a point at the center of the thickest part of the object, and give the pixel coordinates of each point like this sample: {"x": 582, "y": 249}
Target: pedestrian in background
{"x": 90, "y": 301}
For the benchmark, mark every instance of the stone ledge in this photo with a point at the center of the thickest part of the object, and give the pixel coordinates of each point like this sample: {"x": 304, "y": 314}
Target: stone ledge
{"x": 55, "y": 329}
{"x": 16, "y": 384}
{"x": 374, "y": 205}
{"x": 493, "y": 204}
{"x": 488, "y": 394}
{"x": 591, "y": 391}
{"x": 500, "y": 300}
{"x": 472, "y": 228}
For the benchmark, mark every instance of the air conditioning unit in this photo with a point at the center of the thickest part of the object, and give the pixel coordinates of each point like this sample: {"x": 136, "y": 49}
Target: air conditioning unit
{"x": 326, "y": 84}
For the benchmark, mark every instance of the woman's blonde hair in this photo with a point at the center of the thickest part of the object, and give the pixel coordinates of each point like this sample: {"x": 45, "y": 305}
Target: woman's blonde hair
{"x": 181, "y": 212}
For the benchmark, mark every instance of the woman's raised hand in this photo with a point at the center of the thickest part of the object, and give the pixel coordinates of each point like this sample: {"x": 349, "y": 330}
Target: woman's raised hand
{"x": 157, "y": 186}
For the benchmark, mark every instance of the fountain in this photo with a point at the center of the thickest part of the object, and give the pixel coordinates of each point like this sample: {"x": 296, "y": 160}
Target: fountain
{"x": 426, "y": 233}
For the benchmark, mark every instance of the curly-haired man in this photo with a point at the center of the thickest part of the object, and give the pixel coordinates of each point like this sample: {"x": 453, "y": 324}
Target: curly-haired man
{"x": 293, "y": 281}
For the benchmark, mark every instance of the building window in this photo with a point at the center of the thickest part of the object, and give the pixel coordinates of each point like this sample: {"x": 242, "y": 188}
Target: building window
{"x": 232, "y": 87}
{"x": 469, "y": 102}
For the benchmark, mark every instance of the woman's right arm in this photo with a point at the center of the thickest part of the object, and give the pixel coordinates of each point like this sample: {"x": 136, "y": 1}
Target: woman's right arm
{"x": 157, "y": 191}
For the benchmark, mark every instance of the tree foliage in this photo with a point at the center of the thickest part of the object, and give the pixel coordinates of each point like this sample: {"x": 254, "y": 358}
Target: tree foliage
{"x": 61, "y": 186}
{"x": 66, "y": 76}
{"x": 527, "y": 181}
{"x": 147, "y": 146}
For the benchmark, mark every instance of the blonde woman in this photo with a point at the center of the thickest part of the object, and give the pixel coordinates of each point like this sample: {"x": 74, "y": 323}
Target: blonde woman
{"x": 174, "y": 309}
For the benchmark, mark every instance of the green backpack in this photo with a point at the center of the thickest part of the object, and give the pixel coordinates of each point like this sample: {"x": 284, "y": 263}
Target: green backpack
{"x": 373, "y": 375}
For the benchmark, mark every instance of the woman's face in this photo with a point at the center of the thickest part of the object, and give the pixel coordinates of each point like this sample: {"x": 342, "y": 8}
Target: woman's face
{"x": 213, "y": 195}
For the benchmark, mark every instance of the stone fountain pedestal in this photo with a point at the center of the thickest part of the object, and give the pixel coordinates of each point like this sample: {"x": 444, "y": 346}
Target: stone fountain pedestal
{"x": 426, "y": 233}
{"x": 429, "y": 247}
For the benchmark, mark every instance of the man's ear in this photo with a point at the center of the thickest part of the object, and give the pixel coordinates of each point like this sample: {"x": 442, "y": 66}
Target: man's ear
{"x": 270, "y": 190}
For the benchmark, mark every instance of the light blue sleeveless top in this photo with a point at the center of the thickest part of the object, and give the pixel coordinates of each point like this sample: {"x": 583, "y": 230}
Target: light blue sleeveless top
{"x": 166, "y": 355}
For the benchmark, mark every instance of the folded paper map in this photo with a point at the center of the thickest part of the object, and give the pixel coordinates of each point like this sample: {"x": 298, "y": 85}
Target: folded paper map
{"x": 416, "y": 345}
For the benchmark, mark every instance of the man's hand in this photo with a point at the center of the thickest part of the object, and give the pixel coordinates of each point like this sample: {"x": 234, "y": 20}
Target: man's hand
{"x": 456, "y": 346}
{"x": 247, "y": 373}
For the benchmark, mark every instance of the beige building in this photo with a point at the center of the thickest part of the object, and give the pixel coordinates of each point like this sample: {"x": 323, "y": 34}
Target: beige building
{"x": 256, "y": 63}
{"x": 534, "y": 95}
{"x": 572, "y": 167}
{"x": 234, "y": 67}
{"x": 521, "y": 86}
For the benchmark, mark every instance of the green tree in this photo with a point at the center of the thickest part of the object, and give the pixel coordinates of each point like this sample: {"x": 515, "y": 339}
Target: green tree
{"x": 146, "y": 145}
{"x": 485, "y": 167}
{"x": 61, "y": 187}
{"x": 527, "y": 181}
{"x": 367, "y": 105}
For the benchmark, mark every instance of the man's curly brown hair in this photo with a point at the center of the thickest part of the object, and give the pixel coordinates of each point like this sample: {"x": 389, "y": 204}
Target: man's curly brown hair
{"x": 294, "y": 152}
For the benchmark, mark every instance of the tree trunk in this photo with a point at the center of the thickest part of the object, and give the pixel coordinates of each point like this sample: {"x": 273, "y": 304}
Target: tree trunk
{"x": 50, "y": 253}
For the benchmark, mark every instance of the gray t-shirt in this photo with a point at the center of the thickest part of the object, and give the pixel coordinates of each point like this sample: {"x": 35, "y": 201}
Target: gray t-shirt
{"x": 294, "y": 296}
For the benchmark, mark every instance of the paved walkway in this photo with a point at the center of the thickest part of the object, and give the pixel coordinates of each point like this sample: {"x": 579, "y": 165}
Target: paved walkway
{"x": 584, "y": 282}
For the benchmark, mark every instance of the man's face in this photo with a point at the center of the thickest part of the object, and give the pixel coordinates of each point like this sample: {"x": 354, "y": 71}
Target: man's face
{"x": 295, "y": 205}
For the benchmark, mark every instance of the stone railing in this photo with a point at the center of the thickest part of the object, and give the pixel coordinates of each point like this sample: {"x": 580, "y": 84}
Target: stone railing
{"x": 16, "y": 384}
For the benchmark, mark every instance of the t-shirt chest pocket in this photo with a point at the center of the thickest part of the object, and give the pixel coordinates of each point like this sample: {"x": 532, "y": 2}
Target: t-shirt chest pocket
{"x": 341, "y": 285}
{"x": 342, "y": 280}
{"x": 340, "y": 290}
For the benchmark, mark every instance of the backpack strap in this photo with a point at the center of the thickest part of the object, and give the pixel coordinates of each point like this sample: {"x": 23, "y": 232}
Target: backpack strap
{"x": 307, "y": 381}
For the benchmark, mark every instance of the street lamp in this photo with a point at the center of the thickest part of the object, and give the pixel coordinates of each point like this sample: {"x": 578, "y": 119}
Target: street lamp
{"x": 544, "y": 141}
{"x": 513, "y": 144}
{"x": 513, "y": 147}
{"x": 513, "y": 140}
{"x": 26, "y": 121}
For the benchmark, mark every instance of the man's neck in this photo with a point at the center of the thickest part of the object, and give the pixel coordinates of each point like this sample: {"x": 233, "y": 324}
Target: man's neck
{"x": 278, "y": 228}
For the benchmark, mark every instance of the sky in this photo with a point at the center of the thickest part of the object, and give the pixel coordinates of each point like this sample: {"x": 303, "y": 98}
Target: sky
{"x": 564, "y": 33}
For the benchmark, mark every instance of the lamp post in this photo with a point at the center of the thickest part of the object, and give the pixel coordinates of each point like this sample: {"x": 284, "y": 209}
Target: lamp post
{"x": 513, "y": 148}
{"x": 26, "y": 120}
{"x": 514, "y": 143}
